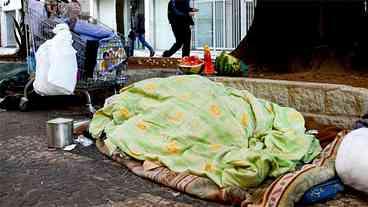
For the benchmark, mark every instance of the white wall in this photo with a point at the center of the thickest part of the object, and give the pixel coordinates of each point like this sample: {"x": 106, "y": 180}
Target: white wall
{"x": 1, "y": 25}
{"x": 148, "y": 20}
{"x": 7, "y": 28}
{"x": 161, "y": 27}
{"x": 126, "y": 19}
{"x": 246, "y": 16}
{"x": 93, "y": 8}
{"x": 106, "y": 13}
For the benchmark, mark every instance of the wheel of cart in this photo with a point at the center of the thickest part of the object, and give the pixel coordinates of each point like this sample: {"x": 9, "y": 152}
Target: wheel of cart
{"x": 110, "y": 70}
{"x": 24, "y": 101}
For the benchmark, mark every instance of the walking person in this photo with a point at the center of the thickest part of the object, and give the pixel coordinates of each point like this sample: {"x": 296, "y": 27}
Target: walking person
{"x": 180, "y": 16}
{"x": 139, "y": 31}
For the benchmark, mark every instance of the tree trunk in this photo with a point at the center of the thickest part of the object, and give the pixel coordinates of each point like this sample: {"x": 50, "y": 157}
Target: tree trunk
{"x": 119, "y": 5}
{"x": 241, "y": 51}
{"x": 301, "y": 35}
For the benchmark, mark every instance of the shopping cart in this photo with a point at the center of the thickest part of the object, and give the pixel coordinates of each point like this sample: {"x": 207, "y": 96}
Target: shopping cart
{"x": 114, "y": 76}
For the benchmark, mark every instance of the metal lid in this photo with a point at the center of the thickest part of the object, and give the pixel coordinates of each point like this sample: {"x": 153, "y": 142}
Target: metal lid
{"x": 60, "y": 121}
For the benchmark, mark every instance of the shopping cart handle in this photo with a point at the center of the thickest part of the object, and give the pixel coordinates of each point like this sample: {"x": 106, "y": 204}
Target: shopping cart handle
{"x": 114, "y": 67}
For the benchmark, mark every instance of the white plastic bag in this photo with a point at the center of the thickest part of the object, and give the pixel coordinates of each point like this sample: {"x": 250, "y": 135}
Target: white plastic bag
{"x": 352, "y": 160}
{"x": 41, "y": 84}
{"x": 63, "y": 62}
{"x": 84, "y": 141}
{"x": 56, "y": 64}
{"x": 42, "y": 69}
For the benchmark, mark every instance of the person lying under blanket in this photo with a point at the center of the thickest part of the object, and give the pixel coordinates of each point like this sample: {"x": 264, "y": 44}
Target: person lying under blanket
{"x": 192, "y": 124}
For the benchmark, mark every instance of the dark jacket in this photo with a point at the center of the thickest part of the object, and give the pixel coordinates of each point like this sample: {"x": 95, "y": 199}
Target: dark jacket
{"x": 139, "y": 26}
{"x": 178, "y": 12}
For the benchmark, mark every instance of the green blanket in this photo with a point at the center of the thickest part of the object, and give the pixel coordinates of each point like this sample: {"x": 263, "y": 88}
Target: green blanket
{"x": 191, "y": 124}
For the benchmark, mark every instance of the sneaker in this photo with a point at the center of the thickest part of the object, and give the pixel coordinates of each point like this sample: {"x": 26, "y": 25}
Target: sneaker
{"x": 10, "y": 102}
{"x": 164, "y": 54}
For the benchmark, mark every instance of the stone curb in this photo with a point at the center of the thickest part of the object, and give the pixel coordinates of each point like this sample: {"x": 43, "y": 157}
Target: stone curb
{"x": 326, "y": 104}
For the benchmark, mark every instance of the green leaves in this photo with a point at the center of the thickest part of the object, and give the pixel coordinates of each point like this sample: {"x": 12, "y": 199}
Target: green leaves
{"x": 227, "y": 65}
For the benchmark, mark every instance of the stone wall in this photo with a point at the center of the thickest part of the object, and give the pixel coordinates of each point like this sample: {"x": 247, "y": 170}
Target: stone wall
{"x": 142, "y": 74}
{"x": 321, "y": 104}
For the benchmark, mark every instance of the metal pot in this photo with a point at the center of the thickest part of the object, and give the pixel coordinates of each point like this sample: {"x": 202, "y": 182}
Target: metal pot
{"x": 59, "y": 132}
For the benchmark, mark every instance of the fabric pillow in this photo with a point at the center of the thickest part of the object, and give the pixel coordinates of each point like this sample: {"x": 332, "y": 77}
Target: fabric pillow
{"x": 351, "y": 160}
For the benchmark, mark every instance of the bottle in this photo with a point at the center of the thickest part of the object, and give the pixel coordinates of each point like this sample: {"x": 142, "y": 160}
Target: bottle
{"x": 208, "y": 65}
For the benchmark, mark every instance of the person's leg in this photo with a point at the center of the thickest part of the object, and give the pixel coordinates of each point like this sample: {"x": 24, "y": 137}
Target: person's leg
{"x": 131, "y": 43}
{"x": 91, "y": 58}
{"x": 179, "y": 41}
{"x": 187, "y": 34}
{"x": 145, "y": 44}
{"x": 131, "y": 46}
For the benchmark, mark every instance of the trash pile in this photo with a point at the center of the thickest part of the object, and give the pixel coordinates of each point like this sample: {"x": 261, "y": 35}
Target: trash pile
{"x": 66, "y": 54}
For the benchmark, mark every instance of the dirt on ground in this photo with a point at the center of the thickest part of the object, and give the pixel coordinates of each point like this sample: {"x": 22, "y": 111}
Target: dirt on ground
{"x": 351, "y": 78}
{"x": 327, "y": 71}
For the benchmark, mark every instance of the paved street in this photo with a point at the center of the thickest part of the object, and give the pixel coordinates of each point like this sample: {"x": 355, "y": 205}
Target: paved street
{"x": 31, "y": 175}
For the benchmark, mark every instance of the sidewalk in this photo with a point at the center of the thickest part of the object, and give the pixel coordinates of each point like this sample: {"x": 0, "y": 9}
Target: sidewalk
{"x": 8, "y": 51}
{"x": 8, "y": 54}
{"x": 32, "y": 175}
{"x": 141, "y": 59}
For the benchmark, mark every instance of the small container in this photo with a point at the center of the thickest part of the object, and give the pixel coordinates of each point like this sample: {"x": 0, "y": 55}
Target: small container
{"x": 59, "y": 132}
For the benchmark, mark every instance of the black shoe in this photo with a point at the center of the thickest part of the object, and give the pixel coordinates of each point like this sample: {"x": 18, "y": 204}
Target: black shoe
{"x": 10, "y": 102}
{"x": 152, "y": 53}
{"x": 165, "y": 54}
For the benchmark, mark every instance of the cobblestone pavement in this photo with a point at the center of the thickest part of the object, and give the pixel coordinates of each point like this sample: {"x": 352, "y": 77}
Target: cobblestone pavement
{"x": 32, "y": 175}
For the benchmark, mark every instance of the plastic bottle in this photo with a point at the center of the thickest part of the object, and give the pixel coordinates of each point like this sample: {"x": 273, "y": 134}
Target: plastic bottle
{"x": 208, "y": 65}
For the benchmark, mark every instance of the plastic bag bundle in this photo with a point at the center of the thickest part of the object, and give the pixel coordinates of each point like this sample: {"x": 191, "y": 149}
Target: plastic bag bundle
{"x": 352, "y": 160}
{"x": 56, "y": 64}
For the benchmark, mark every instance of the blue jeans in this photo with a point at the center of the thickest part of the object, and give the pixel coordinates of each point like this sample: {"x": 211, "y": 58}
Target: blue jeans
{"x": 144, "y": 43}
